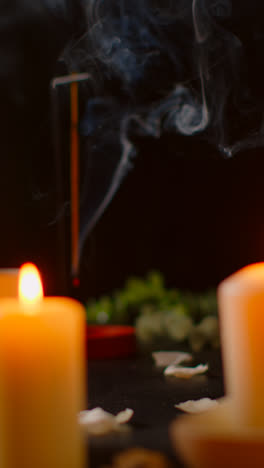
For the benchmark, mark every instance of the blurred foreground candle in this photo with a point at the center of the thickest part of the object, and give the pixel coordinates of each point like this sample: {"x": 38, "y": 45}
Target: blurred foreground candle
{"x": 232, "y": 434}
{"x": 9, "y": 282}
{"x": 42, "y": 378}
{"x": 241, "y": 306}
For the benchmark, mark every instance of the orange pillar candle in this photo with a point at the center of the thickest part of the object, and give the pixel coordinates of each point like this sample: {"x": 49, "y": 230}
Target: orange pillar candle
{"x": 241, "y": 307}
{"x": 9, "y": 282}
{"x": 42, "y": 373}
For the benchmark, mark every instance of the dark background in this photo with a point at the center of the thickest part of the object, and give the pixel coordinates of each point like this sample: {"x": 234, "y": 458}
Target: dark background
{"x": 183, "y": 209}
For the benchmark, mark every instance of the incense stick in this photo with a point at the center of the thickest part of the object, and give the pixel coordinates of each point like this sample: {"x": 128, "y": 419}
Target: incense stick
{"x": 72, "y": 80}
{"x": 75, "y": 221}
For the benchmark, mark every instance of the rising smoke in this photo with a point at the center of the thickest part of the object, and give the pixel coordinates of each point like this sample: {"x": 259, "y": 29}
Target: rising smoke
{"x": 158, "y": 66}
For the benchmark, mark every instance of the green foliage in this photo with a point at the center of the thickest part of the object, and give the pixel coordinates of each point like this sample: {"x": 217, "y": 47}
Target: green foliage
{"x": 158, "y": 312}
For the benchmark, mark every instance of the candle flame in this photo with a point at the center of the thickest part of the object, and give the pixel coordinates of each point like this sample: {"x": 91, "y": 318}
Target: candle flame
{"x": 30, "y": 289}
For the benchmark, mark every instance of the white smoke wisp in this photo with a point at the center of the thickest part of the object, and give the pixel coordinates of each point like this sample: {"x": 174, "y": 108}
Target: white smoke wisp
{"x": 123, "y": 167}
{"x": 187, "y": 62}
{"x": 188, "y": 115}
{"x": 251, "y": 142}
{"x": 200, "y": 29}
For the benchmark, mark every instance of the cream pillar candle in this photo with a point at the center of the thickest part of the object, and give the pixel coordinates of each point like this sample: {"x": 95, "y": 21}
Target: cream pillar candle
{"x": 241, "y": 308}
{"x": 41, "y": 379}
{"x": 9, "y": 282}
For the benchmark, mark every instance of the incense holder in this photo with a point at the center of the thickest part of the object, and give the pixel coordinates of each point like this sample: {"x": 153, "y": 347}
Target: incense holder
{"x": 110, "y": 341}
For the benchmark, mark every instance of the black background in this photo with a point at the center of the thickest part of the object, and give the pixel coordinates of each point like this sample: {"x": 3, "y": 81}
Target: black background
{"x": 183, "y": 209}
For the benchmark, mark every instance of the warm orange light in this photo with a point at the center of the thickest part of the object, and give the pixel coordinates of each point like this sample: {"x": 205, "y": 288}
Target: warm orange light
{"x": 30, "y": 288}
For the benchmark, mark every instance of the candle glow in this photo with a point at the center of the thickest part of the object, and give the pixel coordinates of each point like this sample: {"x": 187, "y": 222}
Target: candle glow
{"x": 42, "y": 377}
{"x": 30, "y": 289}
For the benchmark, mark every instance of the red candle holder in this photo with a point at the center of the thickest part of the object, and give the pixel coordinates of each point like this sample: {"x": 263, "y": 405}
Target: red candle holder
{"x": 110, "y": 341}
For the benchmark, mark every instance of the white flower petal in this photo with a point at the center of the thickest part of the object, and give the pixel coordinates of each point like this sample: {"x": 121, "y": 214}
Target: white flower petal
{"x": 124, "y": 416}
{"x": 197, "y": 406}
{"x": 100, "y": 422}
{"x": 165, "y": 358}
{"x": 185, "y": 372}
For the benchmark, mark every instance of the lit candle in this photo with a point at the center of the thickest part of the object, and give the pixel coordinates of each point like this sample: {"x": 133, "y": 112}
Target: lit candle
{"x": 42, "y": 373}
{"x": 232, "y": 434}
{"x": 241, "y": 305}
{"x": 9, "y": 282}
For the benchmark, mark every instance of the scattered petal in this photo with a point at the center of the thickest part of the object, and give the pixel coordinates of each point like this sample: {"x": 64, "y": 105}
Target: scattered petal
{"x": 165, "y": 358}
{"x": 124, "y": 416}
{"x": 197, "y": 406}
{"x": 99, "y": 422}
{"x": 185, "y": 372}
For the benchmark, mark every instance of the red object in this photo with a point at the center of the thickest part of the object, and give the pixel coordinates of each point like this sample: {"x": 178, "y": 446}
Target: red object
{"x": 76, "y": 282}
{"x": 110, "y": 341}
